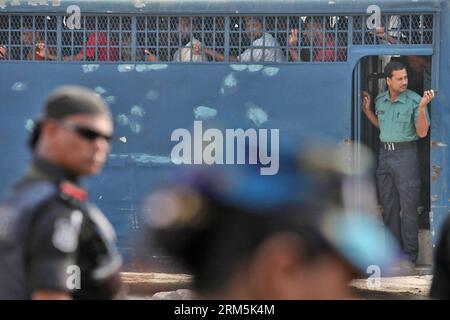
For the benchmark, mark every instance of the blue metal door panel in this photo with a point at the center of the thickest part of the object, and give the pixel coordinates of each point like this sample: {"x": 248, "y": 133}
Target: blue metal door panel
{"x": 150, "y": 101}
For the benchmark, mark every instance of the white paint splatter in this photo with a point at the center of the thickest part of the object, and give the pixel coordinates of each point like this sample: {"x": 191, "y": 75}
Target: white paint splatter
{"x": 203, "y": 112}
{"x": 238, "y": 67}
{"x": 255, "y": 67}
{"x": 147, "y": 158}
{"x": 87, "y": 68}
{"x": 151, "y": 67}
{"x": 181, "y": 160}
{"x": 125, "y": 67}
{"x": 152, "y": 95}
{"x": 122, "y": 120}
{"x": 441, "y": 144}
{"x": 123, "y": 139}
{"x": 229, "y": 84}
{"x": 110, "y": 99}
{"x": 139, "y": 4}
{"x": 135, "y": 127}
{"x": 19, "y": 86}
{"x": 29, "y": 125}
{"x": 100, "y": 90}
{"x": 257, "y": 115}
{"x": 37, "y": 3}
{"x": 270, "y": 71}
{"x": 138, "y": 111}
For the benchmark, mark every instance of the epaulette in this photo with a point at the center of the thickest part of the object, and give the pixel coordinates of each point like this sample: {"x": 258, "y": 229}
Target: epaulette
{"x": 381, "y": 95}
{"x": 413, "y": 96}
{"x": 71, "y": 192}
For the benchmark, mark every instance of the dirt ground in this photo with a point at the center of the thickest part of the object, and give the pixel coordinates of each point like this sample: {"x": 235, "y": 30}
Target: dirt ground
{"x": 145, "y": 285}
{"x": 410, "y": 287}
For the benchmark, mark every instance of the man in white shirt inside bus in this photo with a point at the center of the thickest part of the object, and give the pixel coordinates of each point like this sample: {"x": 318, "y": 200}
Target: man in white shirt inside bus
{"x": 264, "y": 47}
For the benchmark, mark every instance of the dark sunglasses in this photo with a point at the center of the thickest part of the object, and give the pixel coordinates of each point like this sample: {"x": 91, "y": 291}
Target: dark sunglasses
{"x": 84, "y": 132}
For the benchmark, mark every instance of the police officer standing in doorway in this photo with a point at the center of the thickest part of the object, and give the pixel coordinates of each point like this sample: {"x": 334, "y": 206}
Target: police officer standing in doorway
{"x": 402, "y": 117}
{"x": 54, "y": 244}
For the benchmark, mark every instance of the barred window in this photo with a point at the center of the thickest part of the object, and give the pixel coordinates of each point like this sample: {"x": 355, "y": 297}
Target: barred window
{"x": 207, "y": 39}
{"x": 413, "y": 29}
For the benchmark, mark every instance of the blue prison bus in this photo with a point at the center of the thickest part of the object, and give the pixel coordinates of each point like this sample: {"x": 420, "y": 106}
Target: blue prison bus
{"x": 141, "y": 57}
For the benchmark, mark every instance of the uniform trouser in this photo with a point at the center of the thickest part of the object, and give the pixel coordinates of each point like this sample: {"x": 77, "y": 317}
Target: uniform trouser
{"x": 398, "y": 178}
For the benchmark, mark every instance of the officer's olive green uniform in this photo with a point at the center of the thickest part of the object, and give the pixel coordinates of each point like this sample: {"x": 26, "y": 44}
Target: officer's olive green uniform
{"x": 398, "y": 173}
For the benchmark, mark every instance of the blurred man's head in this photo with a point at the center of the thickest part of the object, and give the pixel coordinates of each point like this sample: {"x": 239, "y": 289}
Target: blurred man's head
{"x": 184, "y": 27}
{"x": 396, "y": 77}
{"x": 75, "y": 131}
{"x": 314, "y": 30}
{"x": 28, "y": 33}
{"x": 418, "y": 63}
{"x": 246, "y": 236}
{"x": 253, "y": 25}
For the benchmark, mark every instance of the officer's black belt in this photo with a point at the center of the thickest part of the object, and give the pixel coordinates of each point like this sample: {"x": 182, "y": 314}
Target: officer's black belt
{"x": 392, "y": 146}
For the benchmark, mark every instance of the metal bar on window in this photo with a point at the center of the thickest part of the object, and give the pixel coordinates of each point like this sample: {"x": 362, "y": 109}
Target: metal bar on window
{"x": 133, "y": 43}
{"x": 226, "y": 49}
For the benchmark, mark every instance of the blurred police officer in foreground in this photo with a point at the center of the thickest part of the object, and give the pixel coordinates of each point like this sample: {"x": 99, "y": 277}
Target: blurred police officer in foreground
{"x": 54, "y": 244}
{"x": 287, "y": 236}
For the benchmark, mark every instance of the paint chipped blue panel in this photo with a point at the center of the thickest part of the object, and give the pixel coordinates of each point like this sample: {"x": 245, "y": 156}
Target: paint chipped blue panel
{"x": 229, "y": 84}
{"x": 135, "y": 127}
{"x": 19, "y": 86}
{"x": 152, "y": 95}
{"x": 110, "y": 99}
{"x": 122, "y": 120}
{"x": 125, "y": 67}
{"x": 257, "y": 115}
{"x": 270, "y": 71}
{"x": 100, "y": 90}
{"x": 148, "y": 106}
{"x": 151, "y": 67}
{"x": 238, "y": 67}
{"x": 137, "y": 111}
{"x": 88, "y": 68}
{"x": 254, "y": 67}
{"x": 147, "y": 158}
{"x": 29, "y": 125}
{"x": 204, "y": 113}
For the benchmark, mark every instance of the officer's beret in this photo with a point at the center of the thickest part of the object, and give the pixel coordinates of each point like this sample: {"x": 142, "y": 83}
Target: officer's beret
{"x": 66, "y": 101}
{"x": 70, "y": 100}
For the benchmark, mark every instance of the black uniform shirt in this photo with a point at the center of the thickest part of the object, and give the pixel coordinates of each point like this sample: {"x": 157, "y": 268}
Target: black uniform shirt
{"x": 55, "y": 239}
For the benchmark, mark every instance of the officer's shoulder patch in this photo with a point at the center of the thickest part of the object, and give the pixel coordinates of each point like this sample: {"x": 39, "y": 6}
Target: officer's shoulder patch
{"x": 71, "y": 192}
{"x": 381, "y": 95}
{"x": 66, "y": 232}
{"x": 413, "y": 96}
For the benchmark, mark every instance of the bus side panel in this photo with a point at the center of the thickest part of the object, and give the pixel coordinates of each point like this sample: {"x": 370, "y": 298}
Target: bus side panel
{"x": 440, "y": 135}
{"x": 150, "y": 101}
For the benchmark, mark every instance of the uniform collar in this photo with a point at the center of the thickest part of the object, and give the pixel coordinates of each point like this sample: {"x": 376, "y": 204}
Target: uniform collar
{"x": 44, "y": 169}
{"x": 401, "y": 98}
